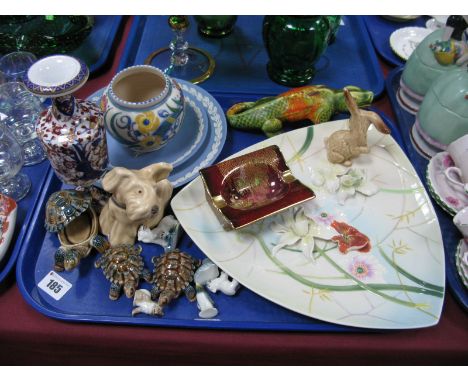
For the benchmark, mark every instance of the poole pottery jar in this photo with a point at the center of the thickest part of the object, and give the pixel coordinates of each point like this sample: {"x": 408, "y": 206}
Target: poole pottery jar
{"x": 143, "y": 108}
{"x": 71, "y": 130}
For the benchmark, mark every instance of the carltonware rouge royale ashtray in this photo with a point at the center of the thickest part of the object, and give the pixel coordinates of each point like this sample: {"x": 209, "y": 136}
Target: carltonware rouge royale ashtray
{"x": 250, "y": 187}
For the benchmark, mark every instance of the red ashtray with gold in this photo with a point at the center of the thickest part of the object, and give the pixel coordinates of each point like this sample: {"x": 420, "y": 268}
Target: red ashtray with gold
{"x": 250, "y": 187}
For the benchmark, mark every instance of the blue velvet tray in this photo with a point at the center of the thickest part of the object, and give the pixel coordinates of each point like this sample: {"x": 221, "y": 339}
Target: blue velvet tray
{"x": 451, "y": 234}
{"x": 380, "y": 30}
{"x": 245, "y": 311}
{"x": 37, "y": 174}
{"x": 241, "y": 57}
{"x": 96, "y": 49}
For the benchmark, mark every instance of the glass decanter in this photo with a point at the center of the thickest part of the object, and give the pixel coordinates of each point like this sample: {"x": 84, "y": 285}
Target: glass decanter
{"x": 20, "y": 111}
{"x": 12, "y": 183}
{"x": 179, "y": 60}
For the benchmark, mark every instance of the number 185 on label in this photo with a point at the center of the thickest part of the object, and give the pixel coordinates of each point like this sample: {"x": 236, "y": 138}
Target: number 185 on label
{"x": 54, "y": 285}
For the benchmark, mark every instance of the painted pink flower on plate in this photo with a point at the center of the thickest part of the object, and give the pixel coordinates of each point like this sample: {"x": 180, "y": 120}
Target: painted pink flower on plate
{"x": 365, "y": 269}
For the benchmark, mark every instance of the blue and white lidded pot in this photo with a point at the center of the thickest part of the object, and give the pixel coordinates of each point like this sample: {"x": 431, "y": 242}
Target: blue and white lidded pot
{"x": 143, "y": 108}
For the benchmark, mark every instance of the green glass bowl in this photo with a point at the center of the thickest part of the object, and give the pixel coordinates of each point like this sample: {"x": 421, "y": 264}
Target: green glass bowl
{"x": 43, "y": 35}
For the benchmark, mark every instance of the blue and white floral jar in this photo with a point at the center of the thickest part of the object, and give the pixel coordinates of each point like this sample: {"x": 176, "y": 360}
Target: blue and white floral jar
{"x": 143, "y": 108}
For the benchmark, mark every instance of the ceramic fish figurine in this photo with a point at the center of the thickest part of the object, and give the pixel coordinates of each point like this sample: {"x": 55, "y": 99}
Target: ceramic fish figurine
{"x": 316, "y": 103}
{"x": 166, "y": 234}
{"x": 344, "y": 145}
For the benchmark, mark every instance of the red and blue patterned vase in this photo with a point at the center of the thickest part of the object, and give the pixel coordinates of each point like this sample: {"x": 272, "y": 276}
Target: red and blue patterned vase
{"x": 71, "y": 130}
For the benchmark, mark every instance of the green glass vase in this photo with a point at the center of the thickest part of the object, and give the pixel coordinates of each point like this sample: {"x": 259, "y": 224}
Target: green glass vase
{"x": 294, "y": 44}
{"x": 43, "y": 35}
{"x": 215, "y": 26}
{"x": 334, "y": 22}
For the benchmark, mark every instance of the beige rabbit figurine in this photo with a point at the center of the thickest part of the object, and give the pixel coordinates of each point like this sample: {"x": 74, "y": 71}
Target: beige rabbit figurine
{"x": 344, "y": 145}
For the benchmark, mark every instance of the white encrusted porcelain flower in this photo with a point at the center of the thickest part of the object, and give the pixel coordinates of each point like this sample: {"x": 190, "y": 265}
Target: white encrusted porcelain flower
{"x": 295, "y": 229}
{"x": 342, "y": 181}
{"x": 355, "y": 180}
{"x": 326, "y": 175}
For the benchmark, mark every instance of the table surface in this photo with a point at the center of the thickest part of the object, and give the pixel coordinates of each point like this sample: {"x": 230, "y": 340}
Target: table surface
{"x": 28, "y": 337}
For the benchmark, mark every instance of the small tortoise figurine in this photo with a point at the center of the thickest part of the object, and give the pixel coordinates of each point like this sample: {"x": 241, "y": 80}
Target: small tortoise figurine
{"x": 344, "y": 145}
{"x": 122, "y": 265}
{"x": 70, "y": 213}
{"x": 173, "y": 274}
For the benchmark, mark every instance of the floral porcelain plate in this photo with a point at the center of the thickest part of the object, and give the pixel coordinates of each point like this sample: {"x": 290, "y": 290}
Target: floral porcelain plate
{"x": 366, "y": 252}
{"x": 449, "y": 196}
{"x": 404, "y": 41}
{"x": 195, "y": 146}
{"x": 8, "y": 211}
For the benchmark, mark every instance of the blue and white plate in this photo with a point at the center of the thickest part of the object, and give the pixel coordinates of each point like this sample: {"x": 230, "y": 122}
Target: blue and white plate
{"x": 197, "y": 144}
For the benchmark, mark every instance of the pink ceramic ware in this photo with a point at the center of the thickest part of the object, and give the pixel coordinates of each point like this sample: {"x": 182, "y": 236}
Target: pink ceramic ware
{"x": 8, "y": 210}
{"x": 449, "y": 196}
{"x": 458, "y": 174}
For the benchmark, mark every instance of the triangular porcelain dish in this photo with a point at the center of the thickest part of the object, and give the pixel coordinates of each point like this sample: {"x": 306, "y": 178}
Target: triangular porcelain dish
{"x": 373, "y": 261}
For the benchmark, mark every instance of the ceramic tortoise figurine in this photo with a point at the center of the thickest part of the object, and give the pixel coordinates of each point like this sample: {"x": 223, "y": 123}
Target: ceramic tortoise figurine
{"x": 71, "y": 215}
{"x": 122, "y": 265}
{"x": 173, "y": 274}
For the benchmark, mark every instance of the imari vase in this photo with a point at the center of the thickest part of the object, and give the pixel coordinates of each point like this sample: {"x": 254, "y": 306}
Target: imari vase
{"x": 143, "y": 108}
{"x": 71, "y": 130}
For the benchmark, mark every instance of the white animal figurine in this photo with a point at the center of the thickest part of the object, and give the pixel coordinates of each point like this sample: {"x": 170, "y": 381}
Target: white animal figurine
{"x": 205, "y": 273}
{"x": 144, "y": 304}
{"x": 138, "y": 198}
{"x": 223, "y": 284}
{"x": 166, "y": 234}
{"x": 205, "y": 303}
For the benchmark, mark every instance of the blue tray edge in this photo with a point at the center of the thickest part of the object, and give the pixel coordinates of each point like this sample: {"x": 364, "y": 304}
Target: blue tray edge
{"x": 373, "y": 56}
{"x": 395, "y": 61}
{"x": 50, "y": 179}
{"x": 140, "y": 21}
{"x": 21, "y": 235}
{"x": 456, "y": 287}
{"x": 323, "y": 326}
{"x": 117, "y": 21}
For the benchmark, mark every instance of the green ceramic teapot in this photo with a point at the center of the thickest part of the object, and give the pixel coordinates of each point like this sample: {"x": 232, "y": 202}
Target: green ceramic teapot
{"x": 423, "y": 66}
{"x": 443, "y": 115}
